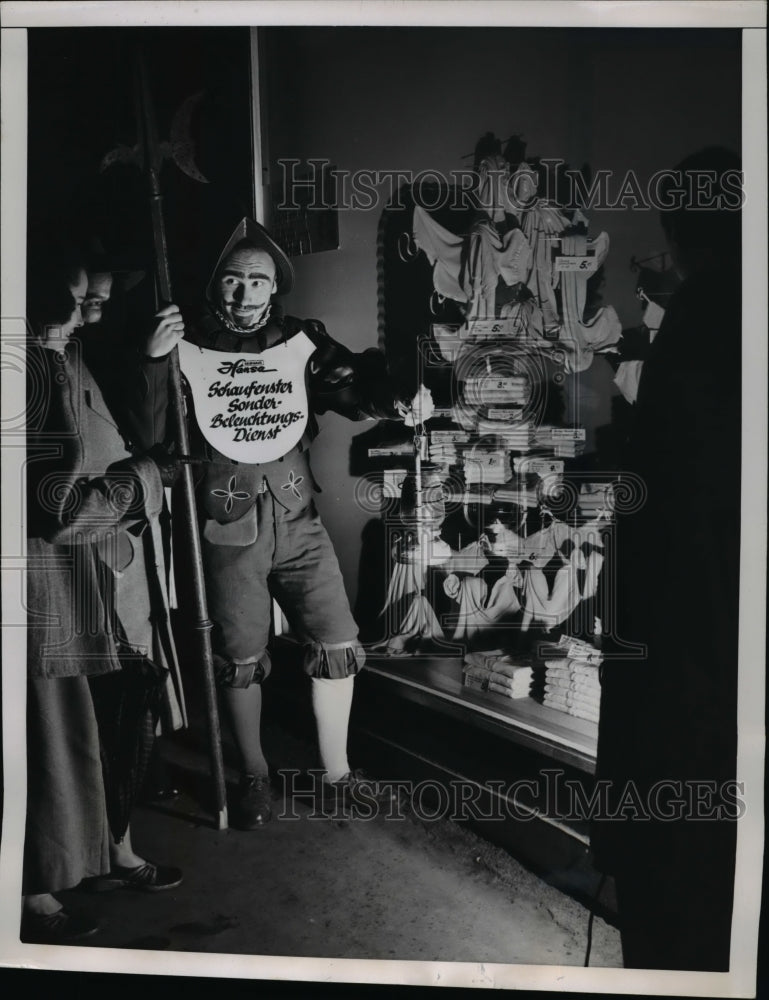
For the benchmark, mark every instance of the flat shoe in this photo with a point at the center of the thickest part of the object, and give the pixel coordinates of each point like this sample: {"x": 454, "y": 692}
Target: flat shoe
{"x": 56, "y": 928}
{"x": 146, "y": 878}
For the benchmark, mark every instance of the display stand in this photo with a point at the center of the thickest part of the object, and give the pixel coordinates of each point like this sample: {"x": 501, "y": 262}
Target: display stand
{"x": 494, "y": 308}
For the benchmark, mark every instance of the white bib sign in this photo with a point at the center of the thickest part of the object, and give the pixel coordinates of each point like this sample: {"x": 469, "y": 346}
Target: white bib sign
{"x": 251, "y": 407}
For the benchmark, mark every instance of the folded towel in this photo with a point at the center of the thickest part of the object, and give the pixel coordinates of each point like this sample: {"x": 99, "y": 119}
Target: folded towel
{"x": 562, "y": 690}
{"x": 512, "y": 670}
{"x": 520, "y": 681}
{"x": 587, "y": 669}
{"x": 557, "y": 683}
{"x": 573, "y": 675}
{"x": 511, "y": 685}
{"x": 506, "y": 691}
{"x": 571, "y": 663}
{"x": 517, "y": 675}
{"x": 571, "y": 698}
{"x": 591, "y": 696}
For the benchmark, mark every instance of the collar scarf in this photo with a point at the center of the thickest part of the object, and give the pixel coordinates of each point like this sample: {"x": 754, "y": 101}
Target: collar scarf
{"x": 243, "y": 330}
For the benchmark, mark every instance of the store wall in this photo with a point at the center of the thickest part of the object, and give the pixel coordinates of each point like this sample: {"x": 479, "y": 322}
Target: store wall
{"x": 418, "y": 99}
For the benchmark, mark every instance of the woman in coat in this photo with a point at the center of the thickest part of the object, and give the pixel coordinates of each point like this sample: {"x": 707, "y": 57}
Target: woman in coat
{"x": 89, "y": 501}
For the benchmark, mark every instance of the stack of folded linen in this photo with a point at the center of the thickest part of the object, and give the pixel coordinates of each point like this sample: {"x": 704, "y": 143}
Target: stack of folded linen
{"x": 501, "y": 414}
{"x": 388, "y": 449}
{"x": 443, "y": 454}
{"x": 517, "y": 437}
{"x": 564, "y": 442}
{"x": 568, "y": 448}
{"x": 543, "y": 435}
{"x": 513, "y": 680}
{"x": 500, "y": 672}
{"x": 512, "y": 493}
{"x": 572, "y": 686}
{"x": 443, "y": 448}
{"x": 490, "y": 465}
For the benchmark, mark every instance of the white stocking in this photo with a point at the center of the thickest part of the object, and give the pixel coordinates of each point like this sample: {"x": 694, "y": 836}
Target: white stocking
{"x": 331, "y": 702}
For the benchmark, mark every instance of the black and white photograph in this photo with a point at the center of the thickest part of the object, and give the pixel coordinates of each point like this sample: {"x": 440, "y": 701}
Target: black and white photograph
{"x": 384, "y": 439}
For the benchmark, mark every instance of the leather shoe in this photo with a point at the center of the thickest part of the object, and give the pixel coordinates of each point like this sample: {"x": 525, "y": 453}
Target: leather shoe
{"x": 56, "y": 928}
{"x": 253, "y": 806}
{"x": 357, "y": 792}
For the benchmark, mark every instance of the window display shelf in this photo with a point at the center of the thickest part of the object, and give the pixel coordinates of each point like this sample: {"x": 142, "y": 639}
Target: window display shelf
{"x": 437, "y": 682}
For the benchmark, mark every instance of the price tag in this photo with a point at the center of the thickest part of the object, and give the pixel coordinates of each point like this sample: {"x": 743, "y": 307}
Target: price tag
{"x": 449, "y": 437}
{"x": 583, "y": 265}
{"x": 567, "y": 433}
{"x": 508, "y": 383}
{"x": 538, "y": 466}
{"x": 402, "y": 448}
{"x": 490, "y": 328}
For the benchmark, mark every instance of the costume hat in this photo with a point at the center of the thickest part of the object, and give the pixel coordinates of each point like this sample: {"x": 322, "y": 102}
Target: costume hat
{"x": 248, "y": 231}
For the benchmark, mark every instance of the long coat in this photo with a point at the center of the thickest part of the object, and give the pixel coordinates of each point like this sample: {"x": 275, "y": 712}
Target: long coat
{"x": 91, "y": 506}
{"x": 671, "y": 713}
{"x": 668, "y": 725}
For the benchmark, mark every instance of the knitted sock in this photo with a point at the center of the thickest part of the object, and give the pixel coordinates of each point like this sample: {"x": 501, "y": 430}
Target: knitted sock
{"x": 331, "y": 702}
{"x": 245, "y": 710}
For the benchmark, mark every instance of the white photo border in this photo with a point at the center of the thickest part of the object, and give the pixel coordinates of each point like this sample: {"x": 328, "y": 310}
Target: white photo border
{"x": 751, "y": 17}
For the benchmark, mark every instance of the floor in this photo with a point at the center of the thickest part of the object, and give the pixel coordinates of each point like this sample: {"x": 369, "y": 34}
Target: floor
{"x": 403, "y": 889}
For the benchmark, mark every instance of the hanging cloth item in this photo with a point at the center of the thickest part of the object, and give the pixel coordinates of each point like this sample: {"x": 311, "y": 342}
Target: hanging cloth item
{"x": 581, "y": 339}
{"x": 472, "y": 594}
{"x": 444, "y": 251}
{"x": 539, "y": 547}
{"x": 551, "y": 608}
{"x": 503, "y": 599}
{"x": 409, "y": 579}
{"x": 592, "y": 572}
{"x": 589, "y": 542}
{"x": 541, "y": 224}
{"x": 420, "y": 623}
{"x": 471, "y": 559}
{"x": 491, "y": 256}
{"x": 469, "y": 269}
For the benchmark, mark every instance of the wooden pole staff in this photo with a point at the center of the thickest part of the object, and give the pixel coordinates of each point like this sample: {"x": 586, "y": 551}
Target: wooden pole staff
{"x": 202, "y": 626}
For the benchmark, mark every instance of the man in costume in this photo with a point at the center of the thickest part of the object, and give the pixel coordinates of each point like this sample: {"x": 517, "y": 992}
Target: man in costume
{"x": 261, "y": 533}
